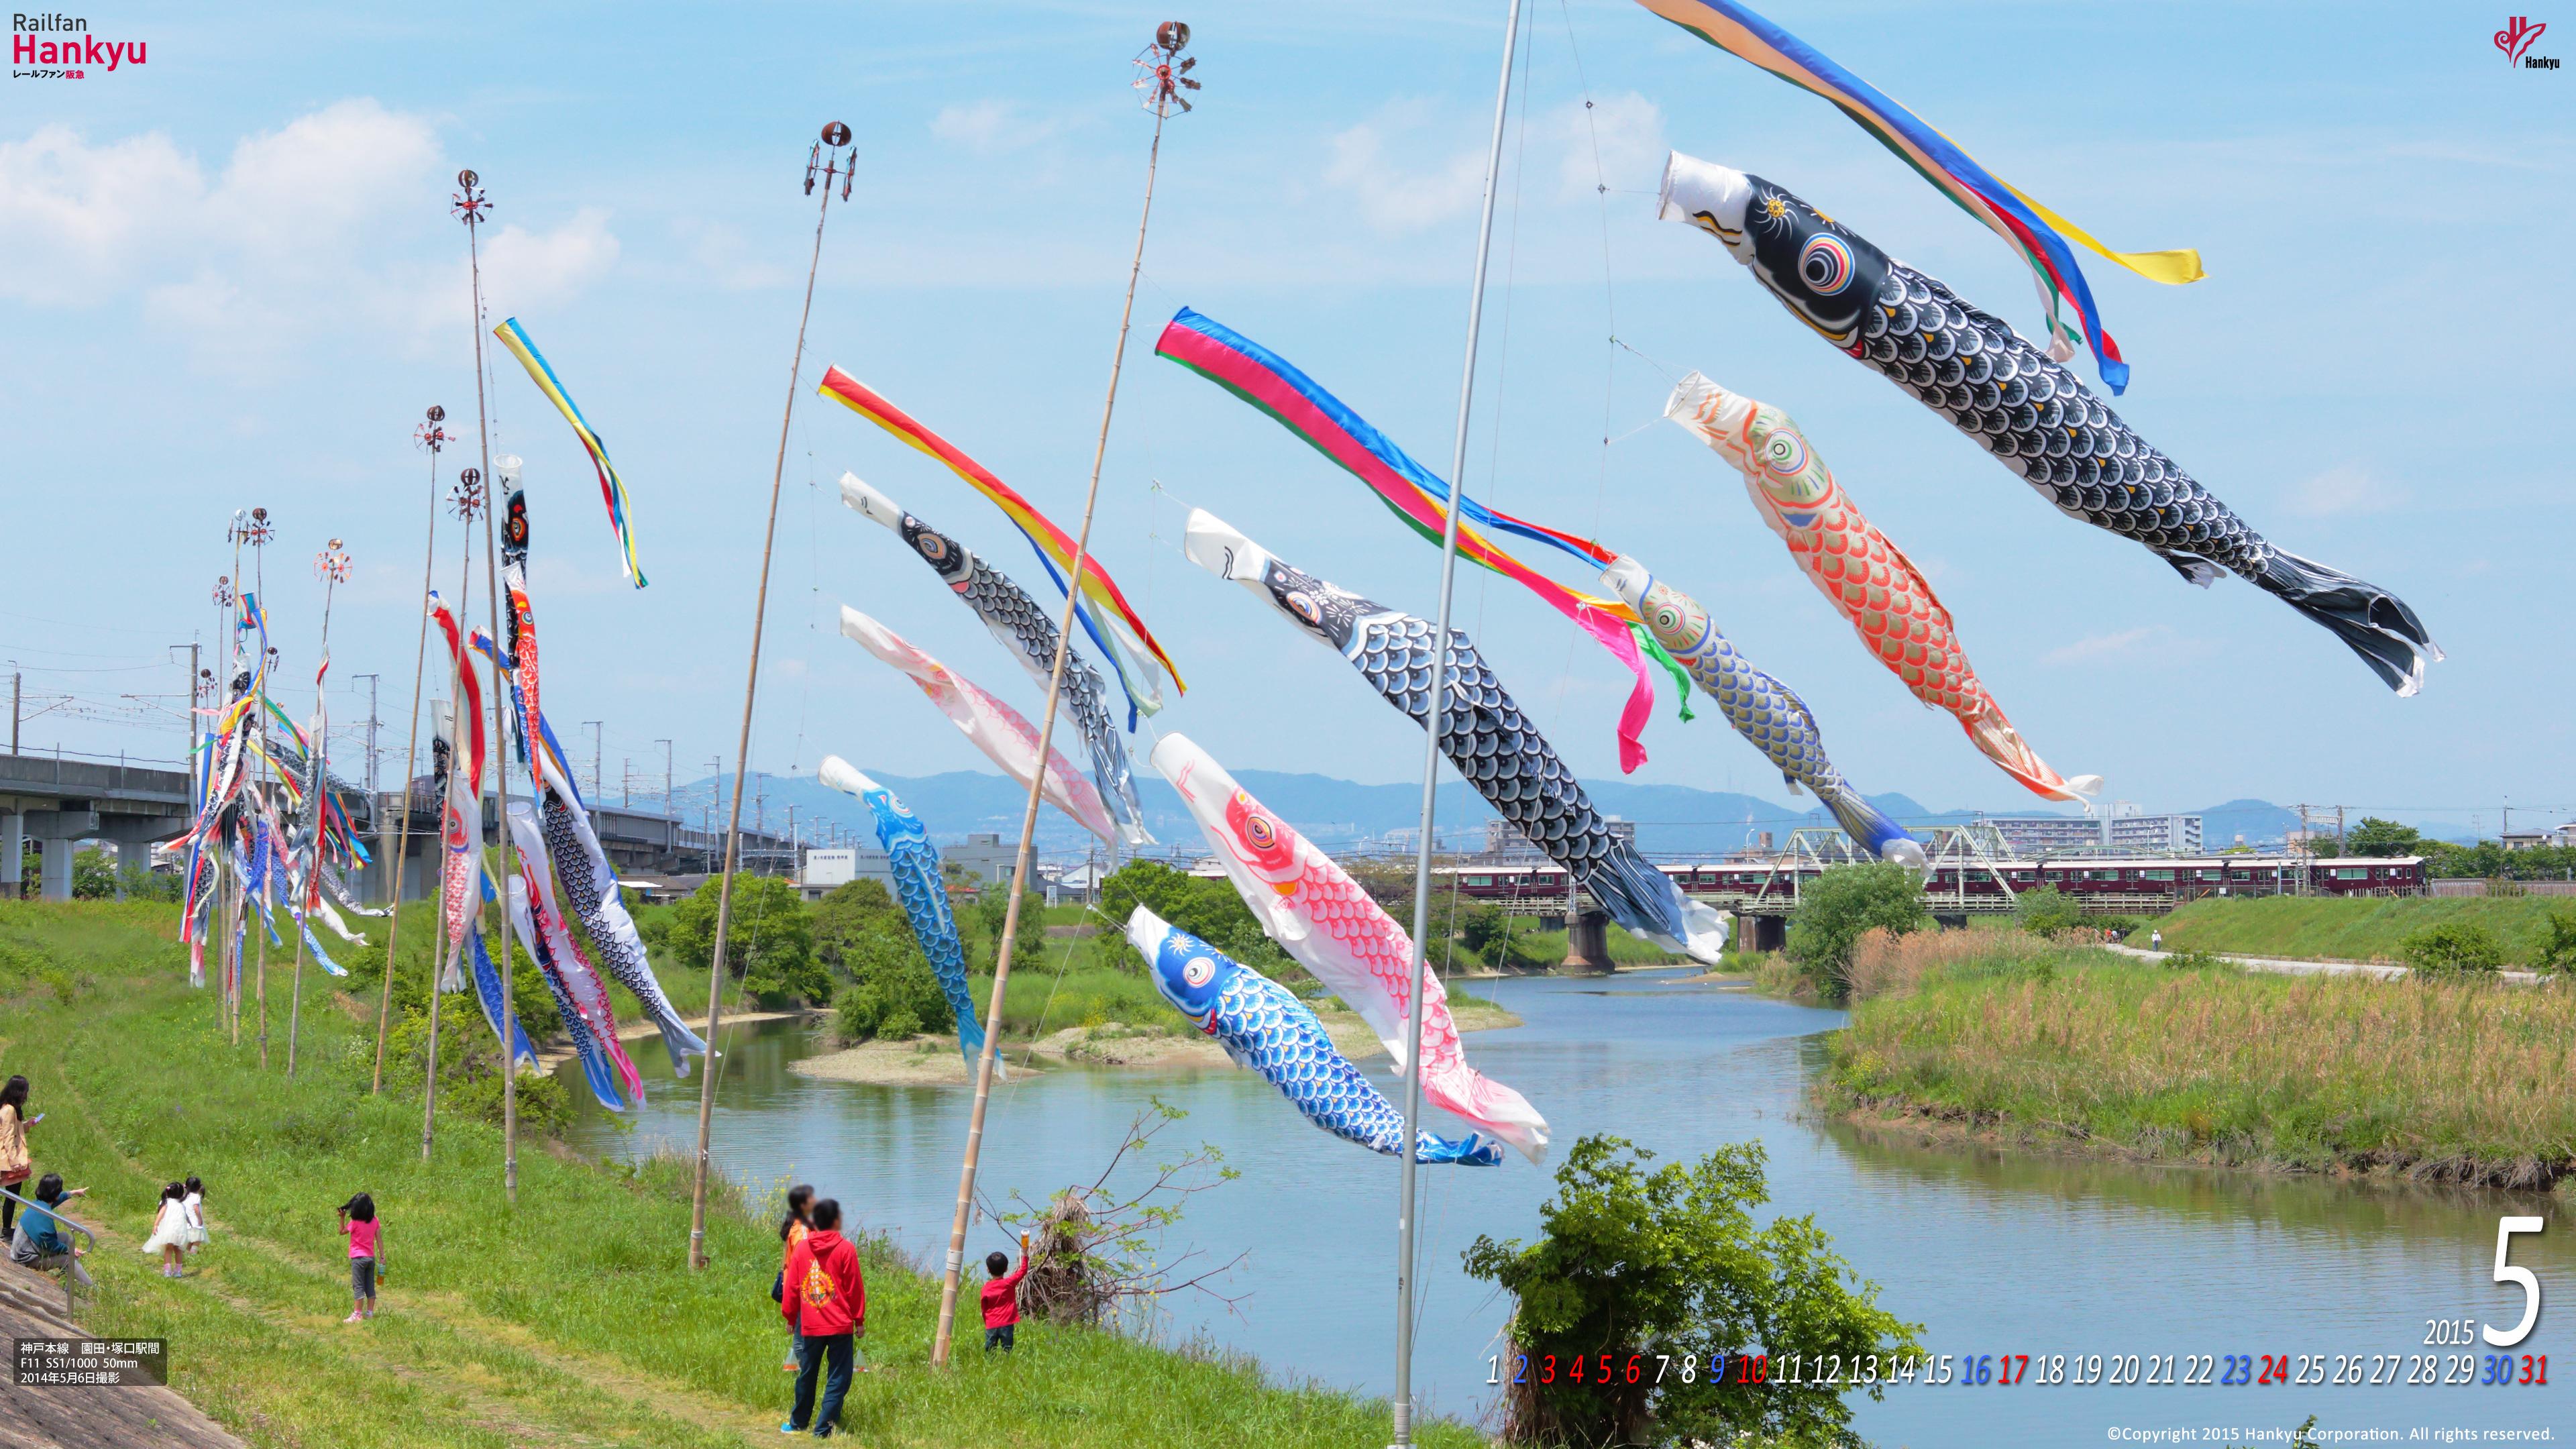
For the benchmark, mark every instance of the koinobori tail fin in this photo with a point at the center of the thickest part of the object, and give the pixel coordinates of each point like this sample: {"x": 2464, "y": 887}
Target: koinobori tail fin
{"x": 1871, "y": 826}
{"x": 1472, "y": 1150}
{"x": 1645, "y": 900}
{"x": 2376, "y": 624}
{"x": 1507, "y": 1114}
{"x": 1997, "y": 740}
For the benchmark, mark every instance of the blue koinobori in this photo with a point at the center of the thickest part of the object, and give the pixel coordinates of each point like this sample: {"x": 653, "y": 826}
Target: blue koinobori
{"x": 914, "y": 863}
{"x": 1270, "y": 1031}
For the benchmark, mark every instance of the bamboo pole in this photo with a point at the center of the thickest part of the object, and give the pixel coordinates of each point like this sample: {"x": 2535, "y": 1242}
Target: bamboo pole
{"x": 956, "y": 1262}
{"x": 742, "y": 748}
{"x": 411, "y": 753}
{"x": 440, "y": 965}
{"x": 1407, "y": 1187}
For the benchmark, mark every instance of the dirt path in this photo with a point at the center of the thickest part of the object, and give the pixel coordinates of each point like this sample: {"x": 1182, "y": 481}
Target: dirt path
{"x": 2284, "y": 966}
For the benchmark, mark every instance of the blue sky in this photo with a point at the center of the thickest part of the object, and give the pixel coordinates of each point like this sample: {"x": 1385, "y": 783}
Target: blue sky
{"x": 231, "y": 279}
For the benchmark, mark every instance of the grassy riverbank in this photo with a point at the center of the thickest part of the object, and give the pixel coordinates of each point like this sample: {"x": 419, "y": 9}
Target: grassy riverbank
{"x": 2319, "y": 928}
{"x": 2005, "y": 1034}
{"x": 568, "y": 1319}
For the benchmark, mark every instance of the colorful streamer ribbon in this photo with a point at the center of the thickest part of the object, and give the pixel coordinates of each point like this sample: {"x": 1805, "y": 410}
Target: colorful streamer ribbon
{"x": 1054, "y": 549}
{"x": 612, "y": 487}
{"x": 1271, "y": 383}
{"x": 2037, "y": 233}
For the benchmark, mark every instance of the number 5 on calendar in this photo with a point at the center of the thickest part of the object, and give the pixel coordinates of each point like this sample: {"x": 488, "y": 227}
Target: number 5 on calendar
{"x": 2507, "y": 1273}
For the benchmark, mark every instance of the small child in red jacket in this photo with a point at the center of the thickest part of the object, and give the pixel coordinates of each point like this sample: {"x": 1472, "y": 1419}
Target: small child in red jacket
{"x": 1002, "y": 1297}
{"x": 822, "y": 1284}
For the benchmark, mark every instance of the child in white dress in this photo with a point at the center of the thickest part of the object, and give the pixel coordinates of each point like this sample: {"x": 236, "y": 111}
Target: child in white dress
{"x": 193, "y": 1236}
{"x": 168, "y": 1228}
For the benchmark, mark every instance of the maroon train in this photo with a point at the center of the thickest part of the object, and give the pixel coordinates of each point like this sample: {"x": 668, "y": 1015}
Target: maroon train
{"x": 2101, "y": 881}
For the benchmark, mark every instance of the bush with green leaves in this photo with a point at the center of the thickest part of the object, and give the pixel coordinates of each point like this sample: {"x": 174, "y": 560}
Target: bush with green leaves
{"x": 2453, "y": 947}
{"x": 1842, "y": 905}
{"x": 890, "y": 980}
{"x": 1206, "y": 908}
{"x": 769, "y": 943}
{"x": 1668, "y": 1262}
{"x": 1028, "y": 935}
{"x": 2557, "y": 948}
{"x": 1490, "y": 932}
{"x": 2047, "y": 911}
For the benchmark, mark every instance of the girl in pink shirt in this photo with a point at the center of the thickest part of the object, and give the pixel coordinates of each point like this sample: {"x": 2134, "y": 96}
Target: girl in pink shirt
{"x": 366, "y": 1254}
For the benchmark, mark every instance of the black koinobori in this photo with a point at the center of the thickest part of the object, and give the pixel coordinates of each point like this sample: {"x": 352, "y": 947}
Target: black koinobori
{"x": 1017, "y": 622}
{"x": 1483, "y": 734}
{"x": 2023, "y": 407}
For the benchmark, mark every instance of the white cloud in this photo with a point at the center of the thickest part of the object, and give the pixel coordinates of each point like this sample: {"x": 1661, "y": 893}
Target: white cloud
{"x": 990, "y": 126}
{"x": 1393, "y": 198}
{"x": 2153, "y": 644}
{"x": 1620, "y": 144}
{"x": 307, "y": 226}
{"x": 75, "y": 216}
{"x": 2346, "y": 488}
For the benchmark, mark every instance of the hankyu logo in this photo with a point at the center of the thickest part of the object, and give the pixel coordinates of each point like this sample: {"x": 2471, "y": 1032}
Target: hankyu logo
{"x": 2515, "y": 41}
{"x": 54, "y": 46}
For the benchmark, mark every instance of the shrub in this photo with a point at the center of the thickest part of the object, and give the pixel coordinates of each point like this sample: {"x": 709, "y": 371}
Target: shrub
{"x": 899, "y": 1024}
{"x": 2453, "y": 946}
{"x": 1669, "y": 1262}
{"x": 2557, "y": 948}
{"x": 2047, "y": 911}
{"x": 1488, "y": 931}
{"x": 856, "y": 1014}
{"x": 1840, "y": 906}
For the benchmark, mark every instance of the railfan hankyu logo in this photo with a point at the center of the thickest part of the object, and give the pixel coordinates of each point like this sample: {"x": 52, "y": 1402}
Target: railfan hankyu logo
{"x": 54, "y": 46}
{"x": 2515, "y": 41}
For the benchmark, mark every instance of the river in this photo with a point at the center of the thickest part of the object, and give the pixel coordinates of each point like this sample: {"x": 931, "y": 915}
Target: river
{"x": 1993, "y": 1253}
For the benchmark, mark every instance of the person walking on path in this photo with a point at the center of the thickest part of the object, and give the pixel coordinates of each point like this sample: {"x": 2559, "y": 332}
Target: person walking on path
{"x": 825, "y": 1291}
{"x": 16, "y": 1164}
{"x": 2156, "y": 939}
{"x": 193, "y": 1236}
{"x": 170, "y": 1230}
{"x": 798, "y": 1224}
{"x": 1002, "y": 1297}
{"x": 366, "y": 1255}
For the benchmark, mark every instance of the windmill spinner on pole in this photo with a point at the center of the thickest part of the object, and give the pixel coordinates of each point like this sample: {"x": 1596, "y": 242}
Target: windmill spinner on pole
{"x": 1161, "y": 82}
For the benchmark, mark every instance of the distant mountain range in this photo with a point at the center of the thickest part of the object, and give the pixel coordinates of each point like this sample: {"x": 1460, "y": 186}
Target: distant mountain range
{"x": 1342, "y": 815}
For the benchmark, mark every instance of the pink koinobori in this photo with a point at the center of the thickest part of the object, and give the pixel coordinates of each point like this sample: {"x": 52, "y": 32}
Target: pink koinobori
{"x": 1320, "y": 916}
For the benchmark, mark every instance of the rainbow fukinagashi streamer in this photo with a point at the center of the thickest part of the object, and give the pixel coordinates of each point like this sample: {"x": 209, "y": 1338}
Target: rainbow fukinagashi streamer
{"x": 612, "y": 486}
{"x": 2039, "y": 235}
{"x": 1103, "y": 609}
{"x": 1415, "y": 494}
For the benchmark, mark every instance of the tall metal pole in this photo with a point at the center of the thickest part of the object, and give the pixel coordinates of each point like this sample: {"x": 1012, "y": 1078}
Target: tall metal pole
{"x": 834, "y": 136}
{"x": 1407, "y": 1187}
{"x": 372, "y": 681}
{"x": 469, "y": 207}
{"x": 1164, "y": 80}
{"x": 431, "y": 437}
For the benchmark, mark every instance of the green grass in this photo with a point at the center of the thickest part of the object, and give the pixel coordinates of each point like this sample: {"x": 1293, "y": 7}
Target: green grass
{"x": 567, "y": 1319}
{"x": 2319, "y": 928}
{"x": 2461, "y": 1081}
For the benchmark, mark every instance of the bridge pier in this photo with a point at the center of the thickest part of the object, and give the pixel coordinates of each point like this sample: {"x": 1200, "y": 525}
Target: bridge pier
{"x": 13, "y": 852}
{"x": 56, "y": 881}
{"x": 1587, "y": 943}
{"x": 1759, "y": 932}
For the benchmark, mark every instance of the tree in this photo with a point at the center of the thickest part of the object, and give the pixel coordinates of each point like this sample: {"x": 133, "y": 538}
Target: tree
{"x": 2047, "y": 911}
{"x": 1840, "y": 906}
{"x": 891, "y": 984}
{"x": 93, "y": 875}
{"x": 769, "y": 946}
{"x": 2377, "y": 837}
{"x": 1028, "y": 941}
{"x": 1486, "y": 929}
{"x": 1668, "y": 1262}
{"x": 2453, "y": 946}
{"x": 1207, "y": 909}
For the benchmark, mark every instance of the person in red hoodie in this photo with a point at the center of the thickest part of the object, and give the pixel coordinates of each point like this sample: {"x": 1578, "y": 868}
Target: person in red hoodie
{"x": 1002, "y": 1297}
{"x": 824, "y": 1290}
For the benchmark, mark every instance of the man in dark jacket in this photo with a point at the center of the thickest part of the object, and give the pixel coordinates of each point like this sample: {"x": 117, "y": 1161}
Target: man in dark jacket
{"x": 822, "y": 1284}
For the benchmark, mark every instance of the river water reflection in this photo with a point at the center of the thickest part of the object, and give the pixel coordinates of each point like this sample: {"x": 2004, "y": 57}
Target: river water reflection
{"x": 1992, "y": 1253}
